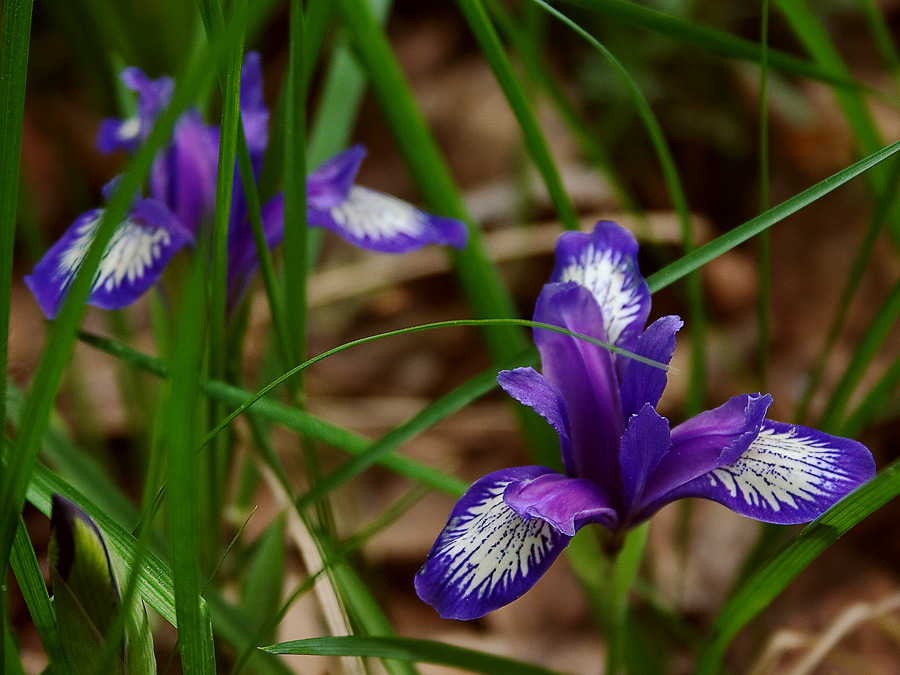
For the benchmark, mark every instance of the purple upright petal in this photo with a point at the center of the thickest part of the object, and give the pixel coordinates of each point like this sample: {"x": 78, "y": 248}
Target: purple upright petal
{"x": 584, "y": 374}
{"x": 566, "y": 503}
{"x": 531, "y": 388}
{"x": 789, "y": 474}
{"x": 605, "y": 262}
{"x": 329, "y": 185}
{"x": 183, "y": 176}
{"x": 133, "y": 260}
{"x": 254, "y": 113}
{"x": 487, "y": 555}
{"x": 380, "y": 222}
{"x": 644, "y": 444}
{"x": 707, "y": 441}
{"x": 242, "y": 258}
{"x": 642, "y": 382}
{"x": 153, "y": 97}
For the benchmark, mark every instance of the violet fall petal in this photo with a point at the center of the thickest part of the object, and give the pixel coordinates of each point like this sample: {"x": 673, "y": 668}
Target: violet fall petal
{"x": 487, "y": 555}
{"x": 644, "y": 444}
{"x": 132, "y": 262}
{"x": 707, "y": 441}
{"x": 789, "y": 474}
{"x": 605, "y": 262}
{"x": 380, "y": 222}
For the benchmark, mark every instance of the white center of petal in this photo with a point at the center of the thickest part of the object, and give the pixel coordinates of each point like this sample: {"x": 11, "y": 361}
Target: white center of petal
{"x": 132, "y": 248}
{"x": 611, "y": 278}
{"x": 367, "y": 213}
{"x": 780, "y": 468}
{"x": 492, "y": 545}
{"x": 129, "y": 129}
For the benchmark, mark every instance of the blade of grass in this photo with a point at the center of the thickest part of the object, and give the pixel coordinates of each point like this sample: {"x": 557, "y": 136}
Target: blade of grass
{"x": 38, "y": 405}
{"x": 408, "y": 649}
{"x": 179, "y": 439}
{"x": 713, "y": 40}
{"x": 855, "y": 108}
{"x": 860, "y": 260}
{"x": 873, "y": 403}
{"x": 762, "y": 587}
{"x": 154, "y": 578}
{"x": 15, "y": 33}
{"x": 537, "y": 146}
{"x": 863, "y": 354}
{"x": 483, "y": 287}
{"x": 31, "y": 584}
{"x": 753, "y": 227}
{"x": 696, "y": 384}
{"x": 538, "y": 73}
{"x": 291, "y": 418}
{"x": 765, "y": 241}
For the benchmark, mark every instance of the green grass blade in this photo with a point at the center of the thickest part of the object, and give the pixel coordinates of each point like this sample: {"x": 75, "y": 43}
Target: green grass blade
{"x": 863, "y": 354}
{"x": 537, "y": 145}
{"x": 424, "y": 651}
{"x": 711, "y": 39}
{"x": 291, "y": 418}
{"x": 751, "y": 228}
{"x": 179, "y": 440}
{"x": 483, "y": 287}
{"x": 873, "y": 403}
{"x": 696, "y": 385}
{"x": 38, "y": 406}
{"x": 425, "y": 419}
{"x": 14, "y": 41}
{"x": 31, "y": 584}
{"x": 762, "y": 587}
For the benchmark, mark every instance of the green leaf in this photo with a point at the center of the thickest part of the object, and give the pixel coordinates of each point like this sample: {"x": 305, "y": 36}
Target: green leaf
{"x": 711, "y": 39}
{"x": 535, "y": 141}
{"x": 179, "y": 439}
{"x": 265, "y": 579}
{"x": 408, "y": 649}
{"x": 712, "y": 250}
{"x": 31, "y": 584}
{"x": 761, "y": 588}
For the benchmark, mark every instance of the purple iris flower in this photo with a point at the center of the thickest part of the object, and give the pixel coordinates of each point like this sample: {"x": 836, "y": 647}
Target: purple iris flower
{"x": 622, "y": 461}
{"x": 182, "y": 196}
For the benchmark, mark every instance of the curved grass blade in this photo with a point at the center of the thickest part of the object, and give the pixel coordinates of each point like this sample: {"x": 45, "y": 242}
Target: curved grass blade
{"x": 696, "y": 387}
{"x": 31, "y": 584}
{"x": 291, "y": 418}
{"x": 482, "y": 285}
{"x": 710, "y": 39}
{"x": 408, "y": 649}
{"x": 863, "y": 355}
{"x": 874, "y": 402}
{"x": 38, "y": 406}
{"x": 761, "y": 588}
{"x": 710, "y": 251}
{"x": 181, "y": 409}
{"x": 487, "y": 38}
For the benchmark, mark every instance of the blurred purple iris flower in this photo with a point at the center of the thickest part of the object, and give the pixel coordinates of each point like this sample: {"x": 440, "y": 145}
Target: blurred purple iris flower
{"x": 622, "y": 461}
{"x": 182, "y": 194}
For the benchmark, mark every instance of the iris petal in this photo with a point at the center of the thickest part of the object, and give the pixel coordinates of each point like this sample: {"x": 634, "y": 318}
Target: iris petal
{"x": 566, "y": 503}
{"x": 380, "y": 222}
{"x": 330, "y": 183}
{"x": 789, "y": 474}
{"x": 132, "y": 262}
{"x": 487, "y": 555}
{"x": 605, "y": 262}
{"x": 644, "y": 444}
{"x": 585, "y": 376}
{"x": 531, "y": 388}
{"x": 643, "y": 382}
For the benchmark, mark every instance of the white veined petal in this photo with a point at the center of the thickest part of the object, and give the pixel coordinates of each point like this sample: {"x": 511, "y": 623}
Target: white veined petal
{"x": 789, "y": 474}
{"x": 132, "y": 252}
{"x": 367, "y": 214}
{"x": 487, "y": 555}
{"x": 614, "y": 282}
